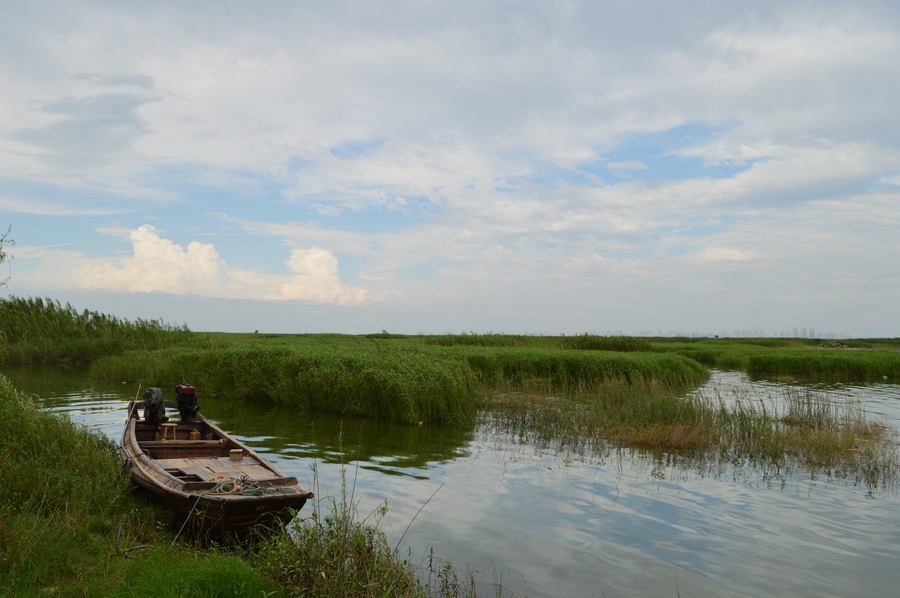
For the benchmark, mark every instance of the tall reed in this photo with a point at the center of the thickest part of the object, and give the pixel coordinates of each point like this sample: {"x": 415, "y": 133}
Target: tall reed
{"x": 393, "y": 381}
{"x": 806, "y": 430}
{"x": 399, "y": 385}
{"x": 36, "y": 330}
{"x": 828, "y": 365}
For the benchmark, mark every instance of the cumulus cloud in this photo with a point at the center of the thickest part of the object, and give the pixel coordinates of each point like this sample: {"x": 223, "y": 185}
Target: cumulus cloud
{"x": 315, "y": 278}
{"x": 160, "y": 265}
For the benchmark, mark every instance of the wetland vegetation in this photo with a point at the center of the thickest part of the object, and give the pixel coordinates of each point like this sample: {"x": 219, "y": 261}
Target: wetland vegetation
{"x": 74, "y": 527}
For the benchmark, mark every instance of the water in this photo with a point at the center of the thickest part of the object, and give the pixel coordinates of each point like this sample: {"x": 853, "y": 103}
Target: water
{"x": 538, "y": 523}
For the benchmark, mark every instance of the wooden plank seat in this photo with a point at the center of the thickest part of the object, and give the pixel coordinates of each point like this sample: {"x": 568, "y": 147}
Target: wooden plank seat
{"x": 151, "y": 444}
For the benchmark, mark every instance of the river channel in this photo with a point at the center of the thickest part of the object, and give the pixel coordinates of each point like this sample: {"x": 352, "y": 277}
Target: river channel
{"x": 529, "y": 520}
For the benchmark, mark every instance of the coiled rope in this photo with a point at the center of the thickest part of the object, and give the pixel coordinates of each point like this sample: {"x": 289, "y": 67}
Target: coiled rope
{"x": 243, "y": 486}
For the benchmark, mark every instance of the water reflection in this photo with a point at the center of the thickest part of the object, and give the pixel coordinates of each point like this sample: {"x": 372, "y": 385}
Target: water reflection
{"x": 384, "y": 447}
{"x": 544, "y": 523}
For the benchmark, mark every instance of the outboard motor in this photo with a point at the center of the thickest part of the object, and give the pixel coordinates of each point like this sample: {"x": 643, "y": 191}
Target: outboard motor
{"x": 154, "y": 408}
{"x": 187, "y": 402}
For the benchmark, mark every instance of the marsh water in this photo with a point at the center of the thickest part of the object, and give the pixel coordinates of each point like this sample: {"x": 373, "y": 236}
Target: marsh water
{"x": 532, "y": 520}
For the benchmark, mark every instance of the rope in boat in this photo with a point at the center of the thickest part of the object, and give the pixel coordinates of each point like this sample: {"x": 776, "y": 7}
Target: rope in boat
{"x": 243, "y": 486}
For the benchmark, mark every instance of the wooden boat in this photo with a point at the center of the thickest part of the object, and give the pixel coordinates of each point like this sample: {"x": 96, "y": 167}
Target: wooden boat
{"x": 214, "y": 484}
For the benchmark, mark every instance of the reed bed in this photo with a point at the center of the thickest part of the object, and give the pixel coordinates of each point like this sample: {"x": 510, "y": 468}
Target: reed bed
{"x": 804, "y": 430}
{"x": 860, "y": 360}
{"x": 839, "y": 365}
{"x": 400, "y": 385}
{"x": 572, "y": 371}
{"x": 401, "y": 382}
{"x": 648, "y": 414}
{"x": 814, "y": 430}
{"x": 36, "y": 330}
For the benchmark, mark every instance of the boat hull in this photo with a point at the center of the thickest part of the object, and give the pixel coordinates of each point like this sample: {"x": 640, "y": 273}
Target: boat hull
{"x": 214, "y": 485}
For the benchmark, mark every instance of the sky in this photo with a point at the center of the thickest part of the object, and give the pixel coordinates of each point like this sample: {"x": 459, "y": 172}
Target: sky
{"x": 426, "y": 167}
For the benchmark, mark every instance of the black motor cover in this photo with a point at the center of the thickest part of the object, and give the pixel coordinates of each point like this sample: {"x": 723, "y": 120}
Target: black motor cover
{"x": 154, "y": 408}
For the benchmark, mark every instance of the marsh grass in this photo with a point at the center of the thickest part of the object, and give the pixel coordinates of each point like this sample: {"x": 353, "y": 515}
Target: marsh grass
{"x": 804, "y": 430}
{"x": 36, "y": 330}
{"x": 360, "y": 380}
{"x": 390, "y": 380}
{"x": 334, "y": 552}
{"x": 646, "y": 413}
{"x": 793, "y": 358}
{"x": 829, "y": 365}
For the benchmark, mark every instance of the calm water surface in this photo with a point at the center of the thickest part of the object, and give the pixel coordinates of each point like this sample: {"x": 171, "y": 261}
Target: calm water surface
{"x": 541, "y": 523}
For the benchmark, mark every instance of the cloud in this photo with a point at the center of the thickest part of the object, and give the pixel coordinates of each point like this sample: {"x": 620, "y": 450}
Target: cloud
{"x": 89, "y": 131}
{"x": 160, "y": 265}
{"x": 315, "y": 278}
{"x": 627, "y": 165}
{"x": 723, "y": 254}
{"x": 464, "y": 151}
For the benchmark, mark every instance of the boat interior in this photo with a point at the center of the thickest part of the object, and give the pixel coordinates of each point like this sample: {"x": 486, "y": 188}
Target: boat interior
{"x": 198, "y": 456}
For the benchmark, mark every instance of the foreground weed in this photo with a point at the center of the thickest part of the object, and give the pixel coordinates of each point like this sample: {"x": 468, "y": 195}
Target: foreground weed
{"x": 333, "y": 552}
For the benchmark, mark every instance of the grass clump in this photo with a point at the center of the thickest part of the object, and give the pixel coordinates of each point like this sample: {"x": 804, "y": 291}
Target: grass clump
{"x": 804, "y": 429}
{"x": 333, "y": 552}
{"x": 810, "y": 429}
{"x": 647, "y": 414}
{"x": 563, "y": 371}
{"x": 591, "y": 342}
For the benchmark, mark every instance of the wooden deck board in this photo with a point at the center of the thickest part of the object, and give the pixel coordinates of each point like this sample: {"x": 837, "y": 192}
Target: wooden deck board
{"x": 208, "y": 467}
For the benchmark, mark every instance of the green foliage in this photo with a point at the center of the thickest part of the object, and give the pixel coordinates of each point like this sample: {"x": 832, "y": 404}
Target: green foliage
{"x": 828, "y": 365}
{"x": 807, "y": 359}
{"x": 563, "y": 371}
{"x": 332, "y": 553}
{"x": 61, "y": 498}
{"x": 397, "y": 380}
{"x": 400, "y": 385}
{"x": 5, "y": 241}
{"x": 36, "y": 330}
{"x": 489, "y": 340}
{"x": 606, "y": 343}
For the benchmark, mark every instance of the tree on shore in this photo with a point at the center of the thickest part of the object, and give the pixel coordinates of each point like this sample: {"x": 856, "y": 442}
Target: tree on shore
{"x": 5, "y": 241}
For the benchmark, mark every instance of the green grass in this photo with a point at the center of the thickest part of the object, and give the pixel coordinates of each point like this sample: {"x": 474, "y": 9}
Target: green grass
{"x": 850, "y": 360}
{"x": 828, "y": 365}
{"x": 61, "y": 500}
